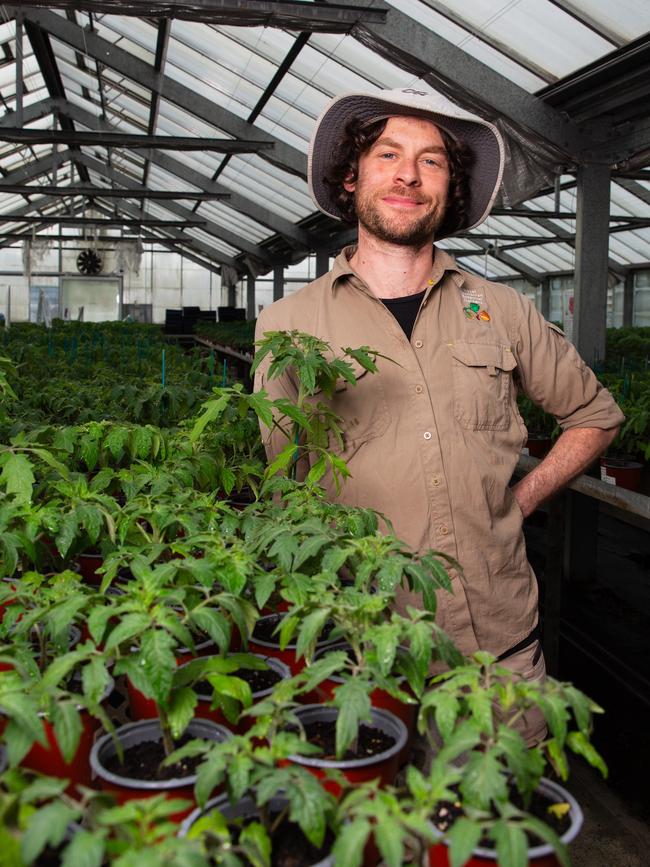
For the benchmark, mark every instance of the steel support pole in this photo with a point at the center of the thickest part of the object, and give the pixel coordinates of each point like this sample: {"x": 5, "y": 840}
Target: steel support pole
{"x": 322, "y": 262}
{"x": 250, "y": 297}
{"x": 278, "y": 282}
{"x": 628, "y": 299}
{"x": 546, "y": 298}
{"x": 592, "y": 241}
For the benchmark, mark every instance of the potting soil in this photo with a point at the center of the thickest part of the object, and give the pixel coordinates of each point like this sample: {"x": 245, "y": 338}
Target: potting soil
{"x": 447, "y": 812}
{"x": 290, "y": 847}
{"x": 142, "y": 762}
{"x": 370, "y": 741}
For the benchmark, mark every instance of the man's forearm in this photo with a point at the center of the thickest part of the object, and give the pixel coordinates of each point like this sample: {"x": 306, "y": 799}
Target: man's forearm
{"x": 574, "y": 451}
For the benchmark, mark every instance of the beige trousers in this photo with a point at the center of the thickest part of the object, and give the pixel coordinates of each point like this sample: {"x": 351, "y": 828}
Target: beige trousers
{"x": 529, "y": 663}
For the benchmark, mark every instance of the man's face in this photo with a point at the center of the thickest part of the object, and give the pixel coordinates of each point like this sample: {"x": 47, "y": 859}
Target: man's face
{"x": 402, "y": 184}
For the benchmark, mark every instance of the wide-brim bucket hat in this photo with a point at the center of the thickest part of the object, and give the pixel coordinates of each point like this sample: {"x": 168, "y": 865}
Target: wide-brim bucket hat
{"x": 481, "y": 136}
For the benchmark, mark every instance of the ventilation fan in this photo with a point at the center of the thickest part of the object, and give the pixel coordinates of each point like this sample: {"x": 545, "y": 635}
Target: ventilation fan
{"x": 89, "y": 262}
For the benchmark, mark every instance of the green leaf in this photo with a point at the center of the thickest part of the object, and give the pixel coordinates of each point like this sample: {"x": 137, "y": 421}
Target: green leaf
{"x": 256, "y": 843}
{"x": 18, "y": 476}
{"x": 67, "y": 727}
{"x": 556, "y": 715}
{"x": 23, "y": 711}
{"x": 158, "y": 663}
{"x": 46, "y": 827}
{"x": 353, "y": 702}
{"x": 214, "y": 624}
{"x": 86, "y": 849}
{"x": 239, "y": 775}
{"x": 181, "y": 710}
{"x": 512, "y": 845}
{"x": 580, "y": 745}
{"x": 390, "y": 840}
{"x": 95, "y": 679}
{"x": 483, "y": 781}
{"x": 309, "y": 631}
{"x": 130, "y": 626}
{"x": 463, "y": 838}
{"x": 350, "y": 843}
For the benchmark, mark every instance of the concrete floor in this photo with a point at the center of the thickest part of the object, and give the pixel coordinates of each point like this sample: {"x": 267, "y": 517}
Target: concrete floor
{"x": 611, "y": 835}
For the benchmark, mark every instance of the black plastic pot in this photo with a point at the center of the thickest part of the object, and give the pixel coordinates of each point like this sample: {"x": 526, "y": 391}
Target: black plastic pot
{"x": 538, "y": 856}
{"x": 130, "y": 735}
{"x": 244, "y": 809}
{"x": 384, "y": 766}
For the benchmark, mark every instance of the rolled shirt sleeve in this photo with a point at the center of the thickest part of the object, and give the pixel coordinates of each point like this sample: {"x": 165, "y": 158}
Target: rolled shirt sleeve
{"x": 553, "y": 375}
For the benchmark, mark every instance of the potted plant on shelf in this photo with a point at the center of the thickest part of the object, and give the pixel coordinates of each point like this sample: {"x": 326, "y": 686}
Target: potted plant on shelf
{"x": 542, "y": 428}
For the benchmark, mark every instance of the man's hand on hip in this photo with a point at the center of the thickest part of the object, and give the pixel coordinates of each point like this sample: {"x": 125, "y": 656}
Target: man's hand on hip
{"x": 574, "y": 451}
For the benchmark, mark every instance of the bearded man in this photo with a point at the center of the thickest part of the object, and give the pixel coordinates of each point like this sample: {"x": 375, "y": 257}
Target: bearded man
{"x": 432, "y": 440}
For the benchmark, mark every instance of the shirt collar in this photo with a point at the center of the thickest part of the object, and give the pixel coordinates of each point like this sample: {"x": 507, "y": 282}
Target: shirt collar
{"x": 442, "y": 263}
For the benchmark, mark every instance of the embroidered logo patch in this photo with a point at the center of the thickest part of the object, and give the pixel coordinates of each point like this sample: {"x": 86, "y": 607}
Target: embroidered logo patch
{"x": 472, "y": 306}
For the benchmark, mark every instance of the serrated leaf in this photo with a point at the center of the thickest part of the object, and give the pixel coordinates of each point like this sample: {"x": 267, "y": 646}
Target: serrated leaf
{"x": 464, "y": 837}
{"x": 18, "y": 476}
{"x": 213, "y": 623}
{"x": 309, "y": 631}
{"x": 46, "y": 827}
{"x": 67, "y": 728}
{"x": 158, "y": 663}
{"x": 130, "y": 626}
{"x": 181, "y": 710}
{"x": 580, "y": 745}
{"x": 353, "y": 703}
{"x": 511, "y": 845}
{"x": 350, "y": 843}
{"x": 390, "y": 840}
{"x": 95, "y": 679}
{"x": 86, "y": 849}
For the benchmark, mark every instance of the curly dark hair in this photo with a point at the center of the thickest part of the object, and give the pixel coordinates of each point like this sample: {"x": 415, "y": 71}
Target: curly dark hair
{"x": 359, "y": 137}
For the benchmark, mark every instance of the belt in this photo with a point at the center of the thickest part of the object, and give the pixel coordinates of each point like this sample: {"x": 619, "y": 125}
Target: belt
{"x": 535, "y": 635}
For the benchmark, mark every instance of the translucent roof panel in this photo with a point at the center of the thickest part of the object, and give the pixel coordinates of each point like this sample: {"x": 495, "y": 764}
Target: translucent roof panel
{"x": 282, "y": 193}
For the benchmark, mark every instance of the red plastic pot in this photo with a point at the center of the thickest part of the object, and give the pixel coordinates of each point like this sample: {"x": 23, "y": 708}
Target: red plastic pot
{"x": 622, "y": 473}
{"x": 127, "y": 788}
{"x": 384, "y": 766}
{"x": 246, "y": 808}
{"x": 538, "y": 856}
{"x": 50, "y": 761}
{"x": 272, "y": 648}
{"x": 203, "y": 710}
{"x": 87, "y": 566}
{"x": 145, "y": 708}
{"x": 537, "y": 446}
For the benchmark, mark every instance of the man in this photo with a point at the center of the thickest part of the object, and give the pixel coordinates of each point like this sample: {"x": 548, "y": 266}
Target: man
{"x": 432, "y": 440}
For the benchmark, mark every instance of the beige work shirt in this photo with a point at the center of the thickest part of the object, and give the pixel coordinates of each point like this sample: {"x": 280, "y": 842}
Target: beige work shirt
{"x": 432, "y": 440}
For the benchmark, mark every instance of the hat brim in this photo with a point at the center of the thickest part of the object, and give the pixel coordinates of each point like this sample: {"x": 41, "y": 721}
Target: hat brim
{"x": 482, "y": 137}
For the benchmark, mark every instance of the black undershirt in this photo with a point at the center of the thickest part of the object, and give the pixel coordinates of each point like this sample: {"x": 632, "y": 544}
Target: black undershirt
{"x": 405, "y": 310}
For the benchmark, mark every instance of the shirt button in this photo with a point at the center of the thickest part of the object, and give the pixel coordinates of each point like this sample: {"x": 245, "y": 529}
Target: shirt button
{"x": 418, "y": 389}
{"x": 435, "y": 481}
{"x": 443, "y": 529}
{"x": 418, "y": 344}
{"x": 427, "y": 435}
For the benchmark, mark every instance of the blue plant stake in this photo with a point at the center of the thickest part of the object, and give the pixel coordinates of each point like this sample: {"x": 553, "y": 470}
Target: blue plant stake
{"x": 224, "y": 372}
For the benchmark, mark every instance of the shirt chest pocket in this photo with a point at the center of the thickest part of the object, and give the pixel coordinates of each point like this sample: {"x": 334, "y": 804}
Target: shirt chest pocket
{"x": 482, "y": 383}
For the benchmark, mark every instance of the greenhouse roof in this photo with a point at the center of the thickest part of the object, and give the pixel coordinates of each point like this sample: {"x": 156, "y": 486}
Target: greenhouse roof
{"x": 203, "y": 110}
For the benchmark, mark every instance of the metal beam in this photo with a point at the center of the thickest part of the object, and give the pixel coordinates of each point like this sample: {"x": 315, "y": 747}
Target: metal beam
{"x": 35, "y": 169}
{"x": 35, "y": 111}
{"x": 186, "y": 214}
{"x": 76, "y": 239}
{"x": 109, "y": 192}
{"x": 283, "y": 155}
{"x": 592, "y": 23}
{"x": 176, "y": 234}
{"x": 293, "y": 234}
{"x": 411, "y": 46}
{"x": 124, "y": 140}
{"x": 46, "y": 60}
{"x": 314, "y": 17}
{"x": 590, "y": 288}
{"x": 91, "y": 221}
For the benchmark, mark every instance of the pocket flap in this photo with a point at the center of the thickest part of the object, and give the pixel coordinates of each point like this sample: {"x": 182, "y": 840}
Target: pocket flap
{"x": 483, "y": 355}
